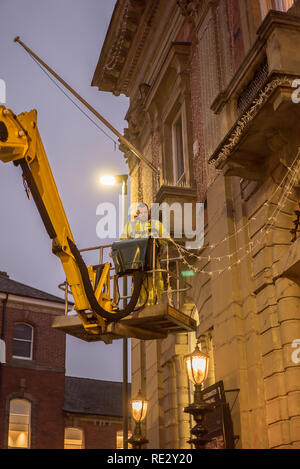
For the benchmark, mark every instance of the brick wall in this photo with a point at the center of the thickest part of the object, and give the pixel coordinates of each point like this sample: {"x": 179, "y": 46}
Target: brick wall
{"x": 40, "y": 380}
{"x": 48, "y": 344}
{"x": 99, "y": 433}
{"x": 236, "y": 33}
{"x": 197, "y": 117}
{"x": 45, "y": 391}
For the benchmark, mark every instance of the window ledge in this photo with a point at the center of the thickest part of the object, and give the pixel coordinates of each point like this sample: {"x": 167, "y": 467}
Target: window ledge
{"x": 178, "y": 193}
{"x": 24, "y": 362}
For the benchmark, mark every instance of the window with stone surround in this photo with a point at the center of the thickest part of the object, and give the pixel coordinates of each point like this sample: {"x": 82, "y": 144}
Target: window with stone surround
{"x": 176, "y": 154}
{"x": 280, "y": 5}
{"x": 73, "y": 438}
{"x": 23, "y": 341}
{"x": 169, "y": 105}
{"x": 19, "y": 423}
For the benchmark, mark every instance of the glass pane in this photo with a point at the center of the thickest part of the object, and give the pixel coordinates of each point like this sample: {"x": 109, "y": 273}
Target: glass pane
{"x": 22, "y": 331}
{"x": 19, "y": 406}
{"x": 70, "y": 446}
{"x": 17, "y": 439}
{"x": 21, "y": 348}
{"x": 19, "y": 423}
{"x": 283, "y": 5}
{"x": 120, "y": 439}
{"x": 73, "y": 438}
{"x": 19, "y": 419}
{"x": 17, "y": 426}
{"x": 179, "y": 149}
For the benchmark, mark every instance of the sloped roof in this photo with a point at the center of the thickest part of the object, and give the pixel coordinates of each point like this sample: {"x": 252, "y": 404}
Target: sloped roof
{"x": 7, "y": 285}
{"x": 92, "y": 396}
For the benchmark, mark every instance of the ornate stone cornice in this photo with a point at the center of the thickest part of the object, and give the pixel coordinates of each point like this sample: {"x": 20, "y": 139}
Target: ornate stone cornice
{"x": 128, "y": 30}
{"x": 121, "y": 33}
{"x": 195, "y": 10}
{"x": 130, "y": 159}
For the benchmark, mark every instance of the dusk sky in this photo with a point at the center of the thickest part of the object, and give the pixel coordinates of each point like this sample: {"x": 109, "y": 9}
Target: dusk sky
{"x": 68, "y": 35}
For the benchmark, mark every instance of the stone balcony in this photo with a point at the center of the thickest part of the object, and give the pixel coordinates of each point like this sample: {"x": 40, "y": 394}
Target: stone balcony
{"x": 257, "y": 113}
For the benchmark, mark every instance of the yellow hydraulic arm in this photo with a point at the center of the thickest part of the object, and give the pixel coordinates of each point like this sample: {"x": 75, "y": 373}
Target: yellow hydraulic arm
{"x": 20, "y": 143}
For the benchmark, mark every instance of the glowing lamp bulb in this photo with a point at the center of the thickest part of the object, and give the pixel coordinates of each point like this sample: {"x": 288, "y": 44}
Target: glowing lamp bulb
{"x": 139, "y": 407}
{"x": 197, "y": 366}
{"x": 108, "y": 180}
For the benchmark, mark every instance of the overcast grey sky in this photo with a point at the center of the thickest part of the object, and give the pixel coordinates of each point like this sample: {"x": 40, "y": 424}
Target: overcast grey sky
{"x": 68, "y": 35}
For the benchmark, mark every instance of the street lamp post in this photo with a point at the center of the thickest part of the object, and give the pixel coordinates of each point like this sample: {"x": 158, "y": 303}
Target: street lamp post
{"x": 139, "y": 407}
{"x": 197, "y": 369}
{"x": 110, "y": 181}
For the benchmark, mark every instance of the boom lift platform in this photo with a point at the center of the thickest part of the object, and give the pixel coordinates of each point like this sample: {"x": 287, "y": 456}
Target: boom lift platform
{"x": 147, "y": 321}
{"x": 95, "y": 289}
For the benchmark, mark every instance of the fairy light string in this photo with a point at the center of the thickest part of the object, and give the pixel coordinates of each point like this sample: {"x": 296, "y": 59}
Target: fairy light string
{"x": 252, "y": 244}
{"x": 244, "y": 227}
{"x": 240, "y": 230}
{"x": 287, "y": 190}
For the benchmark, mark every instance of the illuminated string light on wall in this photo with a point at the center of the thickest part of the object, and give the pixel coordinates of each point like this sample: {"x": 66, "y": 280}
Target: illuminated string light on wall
{"x": 286, "y": 192}
{"x": 266, "y": 229}
{"x": 290, "y": 170}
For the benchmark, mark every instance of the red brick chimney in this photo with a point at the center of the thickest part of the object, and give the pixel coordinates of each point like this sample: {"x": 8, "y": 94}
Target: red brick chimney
{"x": 4, "y": 274}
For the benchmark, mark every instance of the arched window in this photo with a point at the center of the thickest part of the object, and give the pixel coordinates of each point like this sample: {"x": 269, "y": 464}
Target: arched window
{"x": 22, "y": 341}
{"x": 19, "y": 423}
{"x": 73, "y": 438}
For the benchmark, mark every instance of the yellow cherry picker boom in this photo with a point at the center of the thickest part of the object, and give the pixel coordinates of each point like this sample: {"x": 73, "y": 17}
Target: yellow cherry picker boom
{"x": 99, "y": 316}
{"x": 21, "y": 144}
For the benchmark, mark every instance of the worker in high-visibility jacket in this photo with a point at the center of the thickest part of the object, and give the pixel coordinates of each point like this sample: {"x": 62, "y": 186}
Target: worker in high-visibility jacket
{"x": 144, "y": 227}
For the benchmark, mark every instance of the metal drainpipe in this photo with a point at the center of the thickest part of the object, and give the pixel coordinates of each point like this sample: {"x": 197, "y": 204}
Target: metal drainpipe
{"x": 4, "y": 303}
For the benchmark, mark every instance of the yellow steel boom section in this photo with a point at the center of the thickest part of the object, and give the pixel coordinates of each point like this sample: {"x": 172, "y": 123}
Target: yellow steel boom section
{"x": 24, "y": 142}
{"x": 20, "y": 143}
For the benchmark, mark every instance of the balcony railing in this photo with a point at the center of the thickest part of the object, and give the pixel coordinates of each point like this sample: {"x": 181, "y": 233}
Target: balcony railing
{"x": 250, "y": 92}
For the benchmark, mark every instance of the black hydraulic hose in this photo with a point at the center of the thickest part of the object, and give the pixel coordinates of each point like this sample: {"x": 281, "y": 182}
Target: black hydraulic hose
{"x": 139, "y": 308}
{"x": 138, "y": 278}
{"x": 27, "y": 174}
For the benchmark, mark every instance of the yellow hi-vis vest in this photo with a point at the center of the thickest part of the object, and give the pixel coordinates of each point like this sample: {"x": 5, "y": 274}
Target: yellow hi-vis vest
{"x": 144, "y": 229}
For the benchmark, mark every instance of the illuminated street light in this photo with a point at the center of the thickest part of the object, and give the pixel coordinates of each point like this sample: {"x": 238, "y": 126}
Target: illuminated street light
{"x": 108, "y": 180}
{"x": 111, "y": 180}
{"x": 139, "y": 407}
{"x": 197, "y": 366}
{"x": 197, "y": 369}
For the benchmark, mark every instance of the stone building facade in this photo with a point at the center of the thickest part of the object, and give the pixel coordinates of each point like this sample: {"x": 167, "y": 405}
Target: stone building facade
{"x": 40, "y": 407}
{"x": 217, "y": 76}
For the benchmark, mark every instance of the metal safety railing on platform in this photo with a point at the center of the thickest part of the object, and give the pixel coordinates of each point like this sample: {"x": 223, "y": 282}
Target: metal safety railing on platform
{"x": 163, "y": 281}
